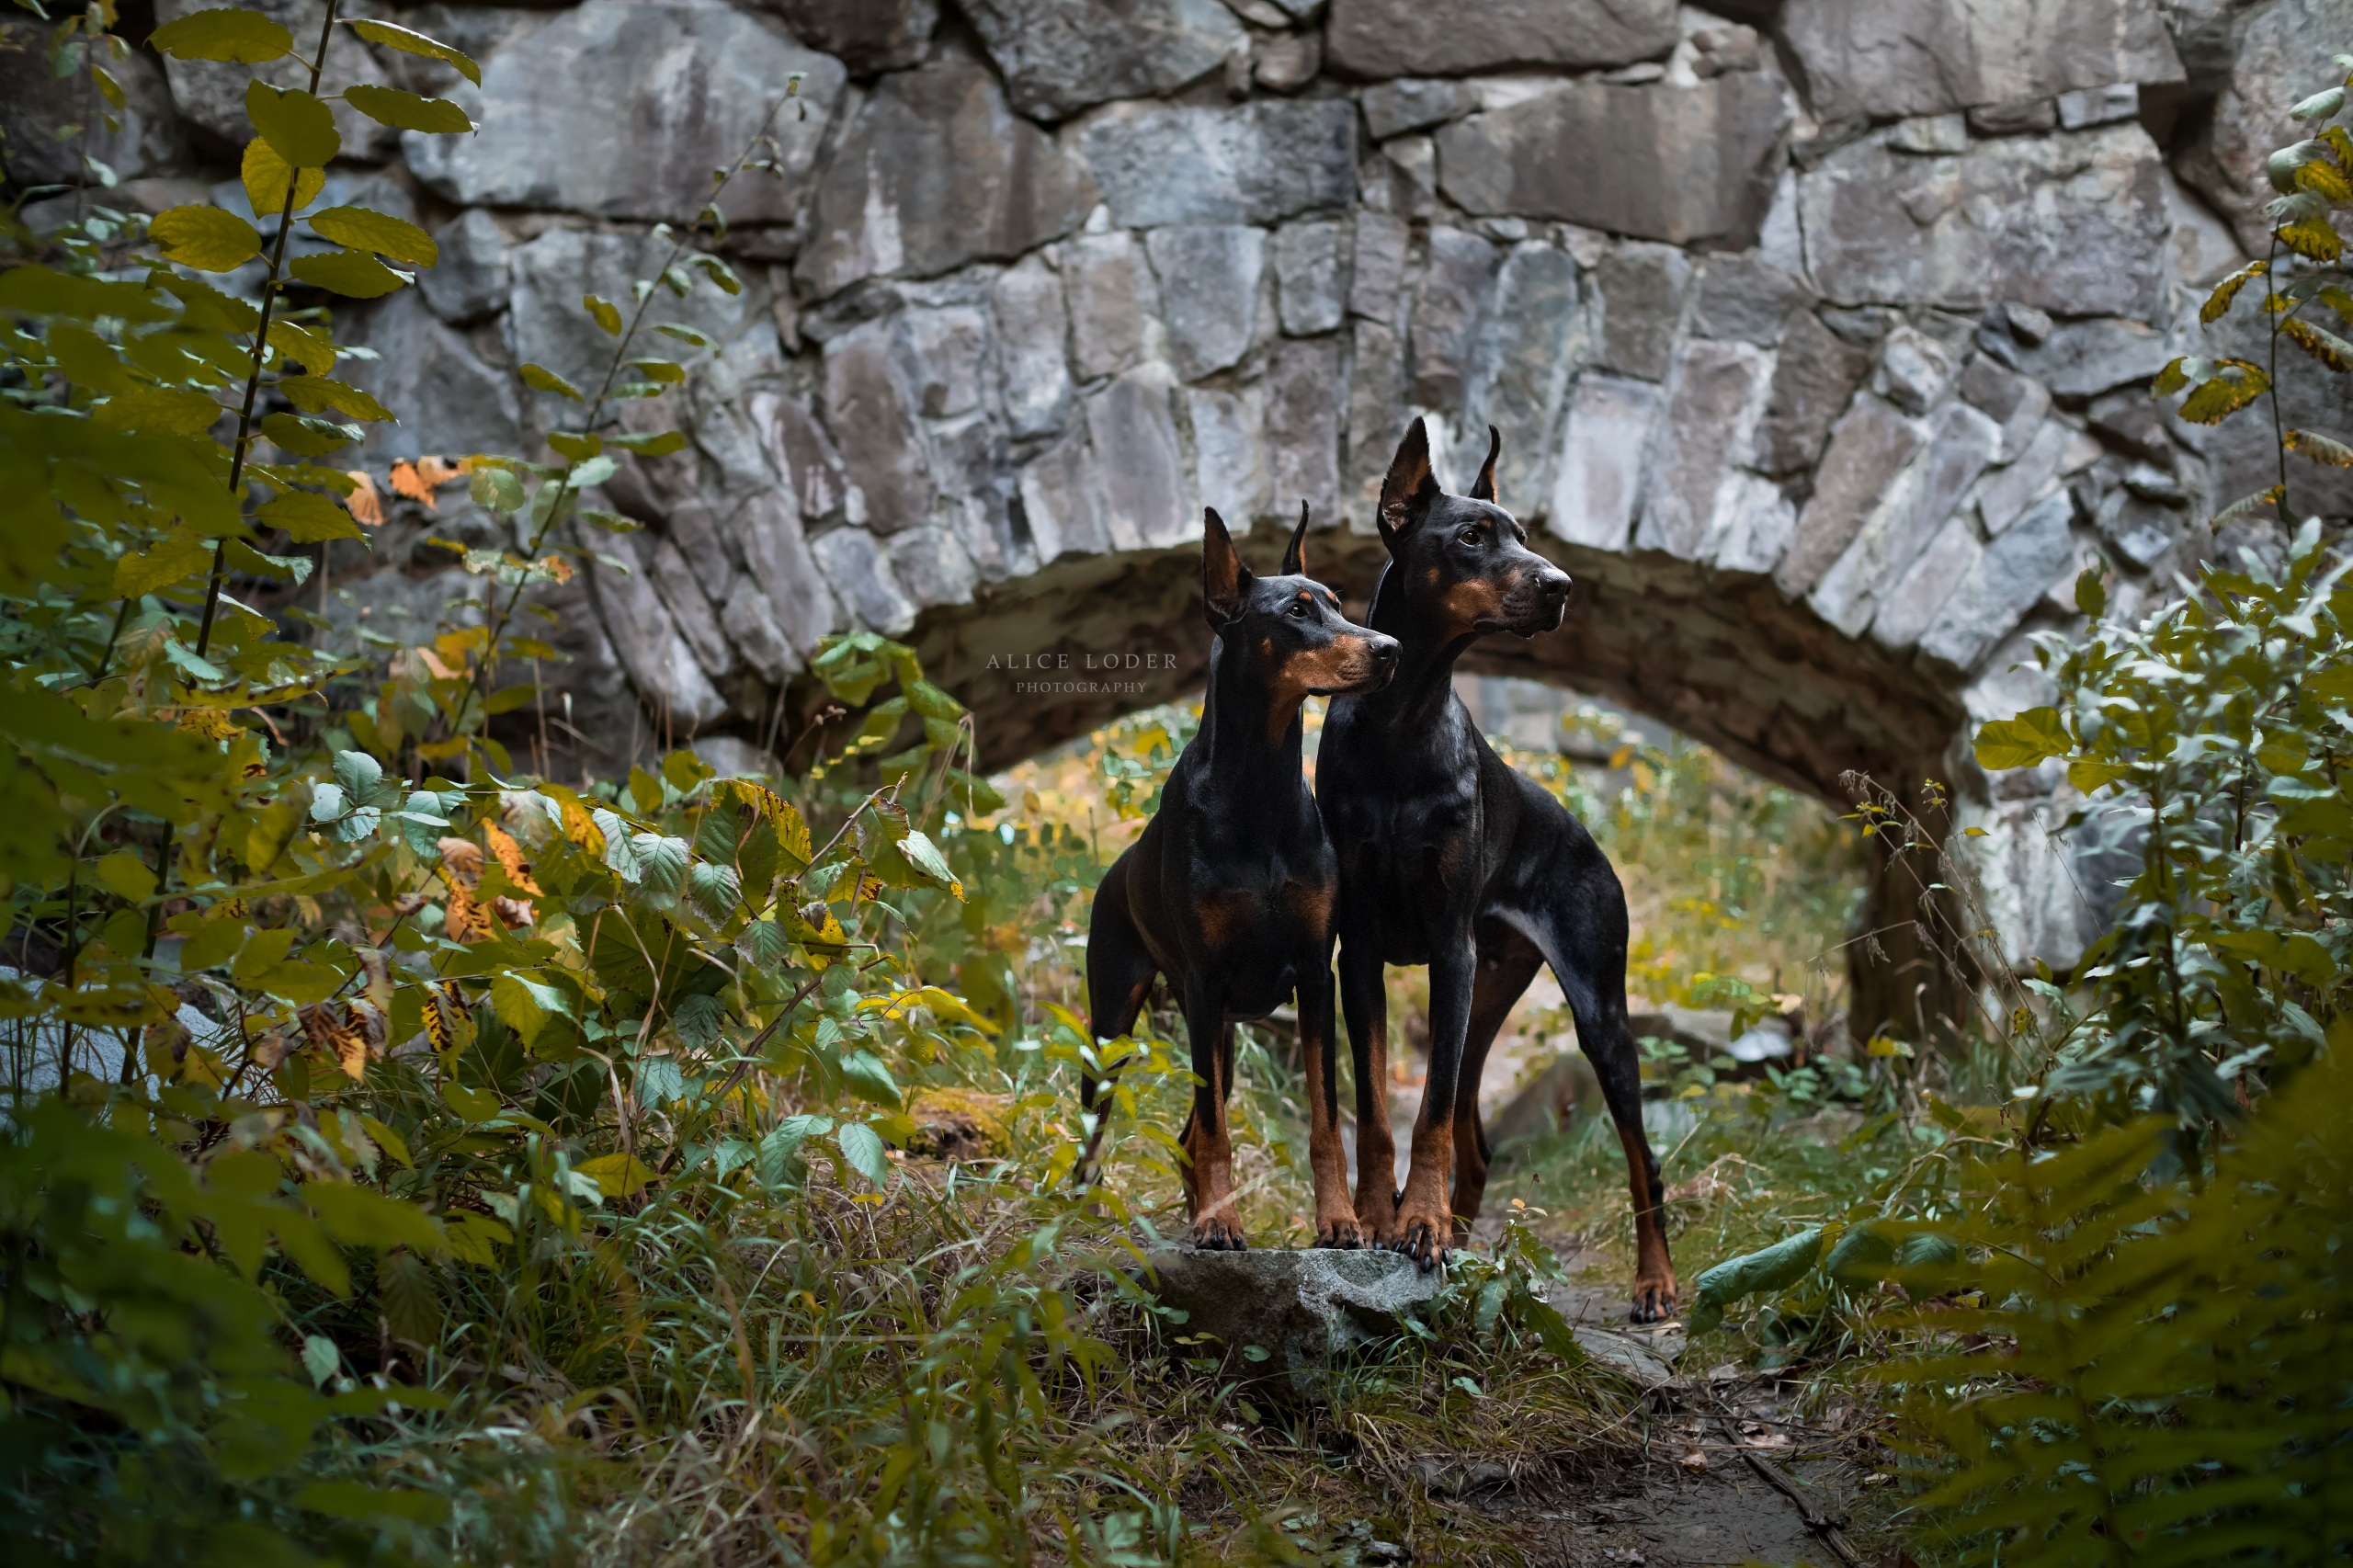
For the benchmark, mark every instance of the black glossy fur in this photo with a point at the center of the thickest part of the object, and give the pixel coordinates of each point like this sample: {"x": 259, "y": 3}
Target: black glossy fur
{"x": 1449, "y": 859}
{"x": 1228, "y": 892}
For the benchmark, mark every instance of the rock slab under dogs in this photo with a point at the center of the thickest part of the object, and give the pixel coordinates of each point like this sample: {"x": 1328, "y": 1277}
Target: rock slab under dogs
{"x": 1303, "y": 1308}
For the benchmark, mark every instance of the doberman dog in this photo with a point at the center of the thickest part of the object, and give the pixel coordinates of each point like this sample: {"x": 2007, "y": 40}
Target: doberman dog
{"x": 1228, "y": 892}
{"x": 1449, "y": 859}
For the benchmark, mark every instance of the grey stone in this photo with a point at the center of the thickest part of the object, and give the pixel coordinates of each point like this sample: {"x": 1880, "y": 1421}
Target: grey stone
{"x": 1310, "y": 276}
{"x": 2026, "y": 117}
{"x": 1031, "y": 328}
{"x": 1920, "y": 592}
{"x": 860, "y": 574}
{"x": 1378, "y": 277}
{"x": 1286, "y": 62}
{"x": 619, "y": 108}
{"x": 2099, "y": 106}
{"x": 1519, "y": 368}
{"x": 469, "y": 280}
{"x": 1816, "y": 374}
{"x": 2027, "y": 325}
{"x": 1598, "y": 481}
{"x": 943, "y": 354}
{"x": 1896, "y": 532}
{"x": 1111, "y": 296}
{"x": 2273, "y": 62}
{"x": 806, "y": 459}
{"x": 2073, "y": 223}
{"x": 1715, "y": 50}
{"x": 210, "y": 94}
{"x": 680, "y": 585}
{"x": 660, "y": 665}
{"x": 870, "y": 415}
{"x": 1754, "y": 524}
{"x": 2002, "y": 584}
{"x": 1391, "y": 108}
{"x": 2152, "y": 483}
{"x": 1934, "y": 135}
{"x": 1446, "y": 304}
{"x": 2139, "y": 530}
{"x": 1208, "y": 292}
{"x": 1708, "y": 402}
{"x": 1914, "y": 370}
{"x": 2000, "y": 392}
{"x": 2131, "y": 421}
{"x": 1301, "y": 1308}
{"x": 1059, "y": 56}
{"x": 779, "y": 560}
{"x": 1376, "y": 416}
{"x": 933, "y": 566}
{"x": 1910, "y": 57}
{"x": 2083, "y": 359}
{"x": 1303, "y": 427}
{"x": 1641, "y": 290}
{"x": 1375, "y": 39}
{"x": 1684, "y": 164}
{"x": 936, "y": 172}
{"x": 705, "y": 534}
{"x": 1869, "y": 446}
{"x": 865, "y": 35}
{"x": 1229, "y": 453}
{"x": 450, "y": 401}
{"x": 1401, "y": 177}
{"x": 2203, "y": 246}
{"x": 1061, "y": 500}
{"x": 148, "y": 138}
{"x": 1746, "y": 297}
{"x": 1258, "y": 163}
{"x": 2006, "y": 494}
{"x": 1141, "y": 469}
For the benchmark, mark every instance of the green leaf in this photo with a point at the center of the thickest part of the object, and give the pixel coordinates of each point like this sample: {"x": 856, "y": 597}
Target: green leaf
{"x": 662, "y": 862}
{"x": 784, "y": 1140}
{"x": 863, "y": 1147}
{"x": 308, "y": 516}
{"x": 359, "y": 1502}
{"x": 230, "y": 33}
{"x": 407, "y": 112}
{"x": 299, "y": 125}
{"x": 525, "y": 1006}
{"x": 2021, "y": 741}
{"x": 685, "y": 334}
{"x": 2091, "y": 776}
{"x": 925, "y": 857}
{"x": 668, "y": 371}
{"x": 360, "y": 228}
{"x": 126, "y": 876}
{"x": 2321, "y": 105}
{"x": 307, "y": 437}
{"x": 159, "y": 411}
{"x": 660, "y": 445}
{"x": 719, "y": 272}
{"x": 2091, "y": 592}
{"x": 869, "y": 1079}
{"x": 317, "y": 394}
{"x": 205, "y": 238}
{"x": 358, "y": 1216}
{"x": 355, "y": 275}
{"x": 245, "y": 557}
{"x": 540, "y": 379}
{"x": 411, "y": 42}
{"x": 576, "y": 445}
{"x": 180, "y": 556}
{"x": 2238, "y": 384}
{"x": 476, "y": 1238}
{"x": 1771, "y": 1268}
{"x": 496, "y": 489}
{"x": 607, "y": 315}
{"x": 266, "y": 175}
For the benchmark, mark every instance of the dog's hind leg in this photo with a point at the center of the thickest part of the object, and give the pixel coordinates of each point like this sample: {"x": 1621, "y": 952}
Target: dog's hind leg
{"x": 1119, "y": 975}
{"x": 1584, "y": 938}
{"x": 1365, "y": 1003}
{"x": 1507, "y": 961}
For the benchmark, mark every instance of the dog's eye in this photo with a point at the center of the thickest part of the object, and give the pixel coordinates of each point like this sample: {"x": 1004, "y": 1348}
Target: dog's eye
{"x": 1299, "y": 609}
{"x": 1468, "y": 535}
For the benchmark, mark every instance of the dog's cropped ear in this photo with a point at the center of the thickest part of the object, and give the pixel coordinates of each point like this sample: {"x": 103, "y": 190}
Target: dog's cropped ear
{"x": 1295, "y": 552}
{"x": 1484, "y": 489}
{"x": 1225, "y": 580}
{"x": 1410, "y": 487}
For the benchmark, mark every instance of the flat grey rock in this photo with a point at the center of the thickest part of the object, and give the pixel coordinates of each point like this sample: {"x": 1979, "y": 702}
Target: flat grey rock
{"x": 1376, "y": 38}
{"x": 1301, "y": 1308}
{"x": 1924, "y": 57}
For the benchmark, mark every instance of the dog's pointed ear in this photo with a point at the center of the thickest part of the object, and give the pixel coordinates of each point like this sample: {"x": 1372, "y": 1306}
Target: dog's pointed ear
{"x": 1295, "y": 552}
{"x": 1485, "y": 490}
{"x": 1410, "y": 487}
{"x": 1225, "y": 580}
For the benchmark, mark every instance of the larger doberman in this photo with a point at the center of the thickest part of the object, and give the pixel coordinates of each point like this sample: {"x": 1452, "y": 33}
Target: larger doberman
{"x": 1229, "y": 891}
{"x": 1449, "y": 859}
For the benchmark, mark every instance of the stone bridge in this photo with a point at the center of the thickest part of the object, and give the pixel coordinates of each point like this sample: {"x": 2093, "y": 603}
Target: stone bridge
{"x": 1818, "y": 334}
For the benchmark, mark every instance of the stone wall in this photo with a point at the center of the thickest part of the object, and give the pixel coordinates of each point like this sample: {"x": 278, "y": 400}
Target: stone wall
{"x": 1818, "y": 333}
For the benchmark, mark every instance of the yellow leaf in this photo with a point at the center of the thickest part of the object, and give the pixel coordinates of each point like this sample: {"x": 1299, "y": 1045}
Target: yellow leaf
{"x": 617, "y": 1174}
{"x": 2219, "y": 302}
{"x": 265, "y": 175}
{"x": 2319, "y": 342}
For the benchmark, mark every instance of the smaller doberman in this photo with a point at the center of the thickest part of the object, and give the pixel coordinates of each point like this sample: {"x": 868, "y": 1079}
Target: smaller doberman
{"x": 1449, "y": 859}
{"x": 1229, "y": 891}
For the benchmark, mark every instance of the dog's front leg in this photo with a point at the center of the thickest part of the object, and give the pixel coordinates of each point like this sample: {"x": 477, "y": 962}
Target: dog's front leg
{"x": 1424, "y": 1220}
{"x": 1365, "y": 1006}
{"x": 1335, "y": 1221}
{"x": 1209, "y": 1143}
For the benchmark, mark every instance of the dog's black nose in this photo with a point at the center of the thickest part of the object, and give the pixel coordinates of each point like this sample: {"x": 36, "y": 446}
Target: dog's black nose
{"x": 1554, "y": 586}
{"x": 1385, "y": 651}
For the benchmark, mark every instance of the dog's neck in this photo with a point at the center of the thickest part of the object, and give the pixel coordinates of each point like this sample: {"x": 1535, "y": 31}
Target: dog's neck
{"x": 1426, "y": 653}
{"x": 1252, "y": 731}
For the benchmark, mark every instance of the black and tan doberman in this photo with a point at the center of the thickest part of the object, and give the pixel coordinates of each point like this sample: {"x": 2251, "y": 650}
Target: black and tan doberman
{"x": 1449, "y": 859}
{"x": 1228, "y": 892}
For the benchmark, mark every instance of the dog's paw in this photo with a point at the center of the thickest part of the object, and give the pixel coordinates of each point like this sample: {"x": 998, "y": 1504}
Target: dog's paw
{"x": 1217, "y": 1234}
{"x": 1423, "y": 1239}
{"x": 1654, "y": 1299}
{"x": 1339, "y": 1232}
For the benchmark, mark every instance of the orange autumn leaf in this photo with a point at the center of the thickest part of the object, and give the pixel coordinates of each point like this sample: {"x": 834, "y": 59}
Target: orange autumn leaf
{"x": 464, "y": 920}
{"x": 460, "y": 858}
{"x": 510, "y": 857}
{"x": 367, "y": 507}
